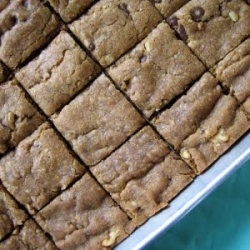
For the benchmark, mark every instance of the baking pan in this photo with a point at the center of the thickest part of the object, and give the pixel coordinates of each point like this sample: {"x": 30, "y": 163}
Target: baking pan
{"x": 201, "y": 187}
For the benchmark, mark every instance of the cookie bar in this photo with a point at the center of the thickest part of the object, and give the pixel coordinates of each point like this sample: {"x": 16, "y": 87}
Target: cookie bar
{"x": 18, "y": 117}
{"x": 202, "y": 124}
{"x": 97, "y": 121}
{"x": 110, "y": 28}
{"x": 68, "y": 9}
{"x": 25, "y": 25}
{"x": 143, "y": 175}
{"x": 29, "y": 237}
{"x": 234, "y": 73}
{"x": 212, "y": 28}
{"x": 85, "y": 217}
{"x": 58, "y": 73}
{"x": 157, "y": 70}
{"x": 11, "y": 215}
{"x": 39, "y": 169}
{"x": 168, "y": 7}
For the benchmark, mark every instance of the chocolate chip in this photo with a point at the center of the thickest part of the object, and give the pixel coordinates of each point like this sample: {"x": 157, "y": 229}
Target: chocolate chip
{"x": 197, "y": 13}
{"x": 3, "y": 73}
{"x": 13, "y": 21}
{"x": 248, "y": 2}
{"x": 143, "y": 59}
{"x": 182, "y": 32}
{"x": 91, "y": 47}
{"x": 124, "y": 8}
{"x": 173, "y": 21}
{"x": 157, "y": 1}
{"x": 139, "y": 210}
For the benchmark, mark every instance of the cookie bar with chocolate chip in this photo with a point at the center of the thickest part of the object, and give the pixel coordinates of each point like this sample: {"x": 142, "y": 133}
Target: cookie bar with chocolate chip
{"x": 39, "y": 169}
{"x": 85, "y": 217}
{"x": 57, "y": 74}
{"x": 202, "y": 124}
{"x": 212, "y": 28}
{"x": 110, "y": 28}
{"x": 97, "y": 121}
{"x": 157, "y": 70}
{"x": 143, "y": 175}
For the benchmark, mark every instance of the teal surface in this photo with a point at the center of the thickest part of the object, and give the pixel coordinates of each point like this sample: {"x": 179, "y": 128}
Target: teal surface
{"x": 220, "y": 222}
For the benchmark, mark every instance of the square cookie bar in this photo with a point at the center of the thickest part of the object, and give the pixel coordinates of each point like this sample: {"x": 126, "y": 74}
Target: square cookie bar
{"x": 168, "y": 7}
{"x": 68, "y": 9}
{"x": 57, "y": 74}
{"x": 110, "y": 28}
{"x": 97, "y": 121}
{"x": 25, "y": 25}
{"x": 11, "y": 215}
{"x": 143, "y": 175}
{"x": 18, "y": 117}
{"x": 212, "y": 28}
{"x": 203, "y": 124}
{"x": 29, "y": 237}
{"x": 234, "y": 73}
{"x": 157, "y": 70}
{"x": 39, "y": 169}
{"x": 85, "y": 217}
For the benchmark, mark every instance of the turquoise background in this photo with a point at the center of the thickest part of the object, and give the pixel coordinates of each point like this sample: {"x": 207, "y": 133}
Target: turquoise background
{"x": 220, "y": 222}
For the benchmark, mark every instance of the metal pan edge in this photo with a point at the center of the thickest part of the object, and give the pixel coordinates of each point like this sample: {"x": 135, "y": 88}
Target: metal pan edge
{"x": 200, "y": 188}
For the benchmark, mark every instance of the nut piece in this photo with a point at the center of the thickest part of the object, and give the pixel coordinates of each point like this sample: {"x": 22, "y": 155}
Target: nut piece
{"x": 108, "y": 59}
{"x": 112, "y": 237}
{"x": 219, "y": 138}
{"x": 147, "y": 46}
{"x": 11, "y": 118}
{"x": 185, "y": 154}
{"x": 234, "y": 16}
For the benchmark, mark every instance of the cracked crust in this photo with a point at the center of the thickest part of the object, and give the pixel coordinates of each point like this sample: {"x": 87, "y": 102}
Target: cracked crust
{"x": 18, "y": 118}
{"x": 168, "y": 7}
{"x": 70, "y": 9}
{"x": 234, "y": 73}
{"x": 110, "y": 28}
{"x": 25, "y": 25}
{"x": 43, "y": 159}
{"x": 203, "y": 124}
{"x": 97, "y": 121}
{"x": 221, "y": 28}
{"x": 156, "y": 70}
{"x": 58, "y": 73}
{"x": 11, "y": 215}
{"x": 29, "y": 237}
{"x": 85, "y": 217}
{"x": 143, "y": 175}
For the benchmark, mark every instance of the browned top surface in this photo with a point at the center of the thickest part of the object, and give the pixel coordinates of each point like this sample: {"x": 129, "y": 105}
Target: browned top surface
{"x": 113, "y": 83}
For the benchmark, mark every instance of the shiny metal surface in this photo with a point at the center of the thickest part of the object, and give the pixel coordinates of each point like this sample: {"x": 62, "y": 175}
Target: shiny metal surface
{"x": 202, "y": 186}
